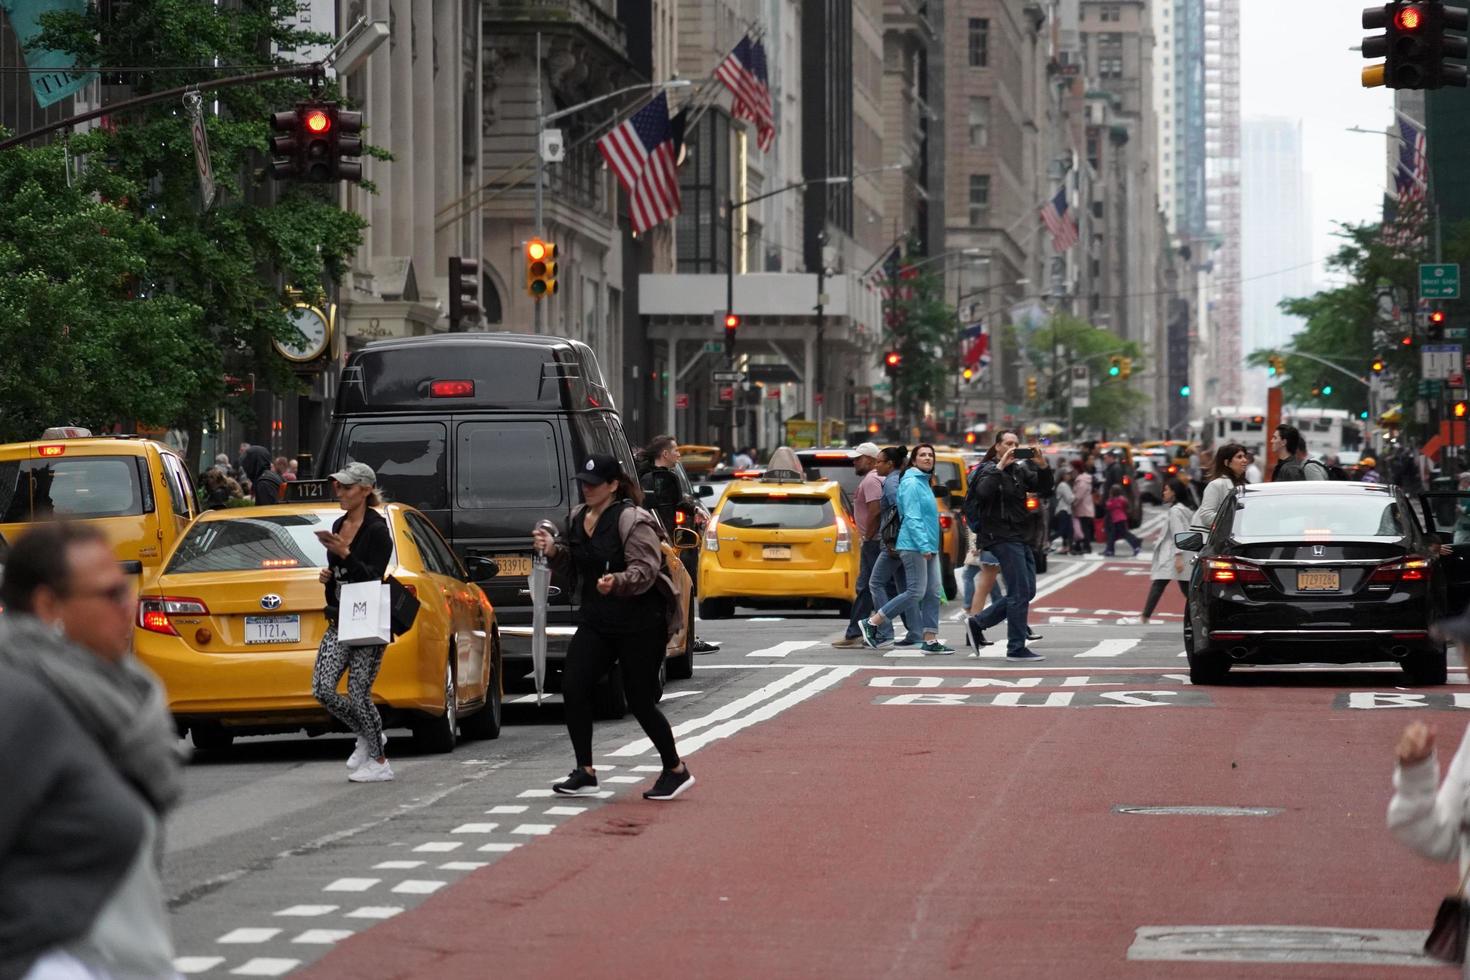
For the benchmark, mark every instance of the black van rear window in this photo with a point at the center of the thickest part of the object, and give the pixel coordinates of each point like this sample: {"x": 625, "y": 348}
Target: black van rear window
{"x": 80, "y": 487}
{"x": 508, "y": 464}
{"x": 408, "y": 457}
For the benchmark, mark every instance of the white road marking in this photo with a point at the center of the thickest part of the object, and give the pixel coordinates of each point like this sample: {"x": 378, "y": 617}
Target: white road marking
{"x": 565, "y": 811}
{"x": 197, "y": 964}
{"x": 724, "y": 712}
{"x": 766, "y": 619}
{"x": 535, "y": 829}
{"x": 306, "y": 910}
{"x": 265, "y": 966}
{"x": 395, "y": 866}
{"x": 1111, "y": 647}
{"x": 439, "y": 846}
{"x": 375, "y": 912}
{"x": 671, "y": 695}
{"x": 507, "y": 808}
{"x": 248, "y": 936}
{"x": 768, "y": 710}
{"x": 419, "y": 887}
{"x": 531, "y": 794}
{"x": 351, "y": 884}
{"x": 462, "y": 865}
{"x": 474, "y": 828}
{"x": 497, "y": 848}
{"x": 902, "y": 653}
{"x": 324, "y": 937}
{"x": 622, "y": 779}
{"x": 783, "y": 649}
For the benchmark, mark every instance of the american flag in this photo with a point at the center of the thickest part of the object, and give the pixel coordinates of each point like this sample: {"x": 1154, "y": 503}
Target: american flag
{"x": 744, "y": 73}
{"x": 1413, "y": 158}
{"x": 1059, "y": 222}
{"x": 1402, "y": 222}
{"x": 641, "y": 151}
{"x": 977, "y": 352}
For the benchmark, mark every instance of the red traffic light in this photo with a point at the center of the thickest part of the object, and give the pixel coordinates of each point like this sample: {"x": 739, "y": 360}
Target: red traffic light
{"x": 732, "y": 321}
{"x": 318, "y": 121}
{"x": 893, "y": 358}
{"x": 1408, "y": 341}
{"x": 1436, "y": 317}
{"x": 1408, "y": 19}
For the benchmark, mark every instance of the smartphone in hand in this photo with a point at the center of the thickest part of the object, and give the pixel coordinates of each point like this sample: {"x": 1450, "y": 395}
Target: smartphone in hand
{"x": 1023, "y": 452}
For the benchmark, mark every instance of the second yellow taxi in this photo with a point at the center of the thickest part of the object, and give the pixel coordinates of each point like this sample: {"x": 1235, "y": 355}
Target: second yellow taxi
{"x": 232, "y": 623}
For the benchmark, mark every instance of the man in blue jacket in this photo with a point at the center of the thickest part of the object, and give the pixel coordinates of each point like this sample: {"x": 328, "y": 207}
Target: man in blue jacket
{"x": 1002, "y": 485}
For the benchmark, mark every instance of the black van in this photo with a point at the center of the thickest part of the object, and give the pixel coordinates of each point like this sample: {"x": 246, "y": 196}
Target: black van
{"x": 483, "y": 432}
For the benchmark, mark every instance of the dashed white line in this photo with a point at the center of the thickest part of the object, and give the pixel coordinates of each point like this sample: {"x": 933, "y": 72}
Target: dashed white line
{"x": 622, "y": 779}
{"x": 397, "y": 865}
{"x": 375, "y": 912}
{"x": 324, "y": 937}
{"x": 1111, "y": 647}
{"x": 439, "y": 846}
{"x": 474, "y": 828}
{"x": 462, "y": 865}
{"x": 351, "y": 884}
{"x": 497, "y": 848}
{"x": 507, "y": 809}
{"x": 534, "y": 829}
{"x": 196, "y": 964}
{"x": 307, "y": 910}
{"x": 532, "y": 794}
{"x": 413, "y": 887}
{"x": 248, "y": 935}
{"x": 564, "y": 811}
{"x": 265, "y": 966}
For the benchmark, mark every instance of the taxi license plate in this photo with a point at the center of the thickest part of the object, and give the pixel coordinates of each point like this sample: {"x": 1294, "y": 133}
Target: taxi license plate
{"x": 1318, "y": 581}
{"x": 779, "y": 552}
{"x": 272, "y": 629}
{"x": 513, "y": 565}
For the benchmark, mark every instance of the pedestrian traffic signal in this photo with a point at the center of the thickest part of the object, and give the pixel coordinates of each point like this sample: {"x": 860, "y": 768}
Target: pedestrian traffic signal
{"x": 1115, "y": 366}
{"x": 1460, "y": 410}
{"x": 464, "y": 292}
{"x": 1378, "y": 365}
{"x": 1031, "y": 387}
{"x": 892, "y": 361}
{"x": 540, "y": 268}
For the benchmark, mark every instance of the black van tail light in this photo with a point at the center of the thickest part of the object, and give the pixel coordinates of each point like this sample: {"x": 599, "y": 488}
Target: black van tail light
{"x": 451, "y": 389}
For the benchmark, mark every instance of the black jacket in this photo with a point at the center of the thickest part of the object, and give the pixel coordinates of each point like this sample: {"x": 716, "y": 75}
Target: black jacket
{"x": 367, "y": 557}
{"x": 268, "y": 487}
{"x": 255, "y": 461}
{"x": 1002, "y": 495}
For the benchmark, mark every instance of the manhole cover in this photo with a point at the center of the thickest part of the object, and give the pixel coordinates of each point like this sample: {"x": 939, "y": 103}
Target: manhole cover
{"x": 1201, "y": 811}
{"x": 1281, "y": 944}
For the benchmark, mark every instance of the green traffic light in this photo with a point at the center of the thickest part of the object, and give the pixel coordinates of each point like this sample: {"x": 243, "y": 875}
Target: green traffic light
{"x": 1184, "y": 391}
{"x": 1363, "y": 414}
{"x": 1326, "y": 390}
{"x": 1114, "y": 371}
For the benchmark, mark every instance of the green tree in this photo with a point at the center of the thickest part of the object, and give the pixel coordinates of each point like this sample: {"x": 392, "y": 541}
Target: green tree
{"x": 921, "y": 328}
{"x": 79, "y": 343}
{"x": 1114, "y": 404}
{"x": 234, "y": 261}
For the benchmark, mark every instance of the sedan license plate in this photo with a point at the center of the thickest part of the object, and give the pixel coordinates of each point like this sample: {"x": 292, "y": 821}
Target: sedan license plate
{"x": 513, "y": 565}
{"x": 272, "y": 629}
{"x": 1318, "y": 581}
{"x": 778, "y": 552}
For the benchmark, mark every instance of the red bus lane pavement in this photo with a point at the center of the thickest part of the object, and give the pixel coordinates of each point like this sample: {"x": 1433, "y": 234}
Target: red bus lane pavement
{"x": 917, "y": 821}
{"x": 1102, "y": 592}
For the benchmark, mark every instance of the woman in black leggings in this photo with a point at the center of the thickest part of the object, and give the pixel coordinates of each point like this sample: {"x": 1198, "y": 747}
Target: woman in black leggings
{"x": 627, "y": 598}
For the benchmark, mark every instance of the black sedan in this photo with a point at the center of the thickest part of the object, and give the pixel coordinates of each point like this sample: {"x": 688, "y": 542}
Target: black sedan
{"x": 1315, "y": 572}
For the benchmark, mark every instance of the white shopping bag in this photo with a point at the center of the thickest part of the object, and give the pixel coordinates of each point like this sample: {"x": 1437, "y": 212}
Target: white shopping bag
{"x": 364, "y": 615}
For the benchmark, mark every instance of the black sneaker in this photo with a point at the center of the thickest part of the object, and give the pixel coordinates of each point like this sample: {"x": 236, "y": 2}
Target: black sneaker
{"x": 670, "y": 784}
{"x": 579, "y": 782}
{"x": 974, "y": 635}
{"x": 704, "y": 646}
{"x": 1032, "y": 635}
{"x": 1024, "y": 656}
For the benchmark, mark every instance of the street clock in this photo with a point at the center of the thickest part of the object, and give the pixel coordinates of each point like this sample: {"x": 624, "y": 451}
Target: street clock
{"x": 315, "y": 329}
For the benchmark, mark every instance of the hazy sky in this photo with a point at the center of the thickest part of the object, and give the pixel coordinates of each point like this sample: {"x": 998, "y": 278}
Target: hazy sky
{"x": 1295, "y": 63}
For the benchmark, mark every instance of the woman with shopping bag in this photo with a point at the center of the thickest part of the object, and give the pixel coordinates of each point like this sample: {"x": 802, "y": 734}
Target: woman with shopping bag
{"x": 628, "y": 607}
{"x": 359, "y": 548}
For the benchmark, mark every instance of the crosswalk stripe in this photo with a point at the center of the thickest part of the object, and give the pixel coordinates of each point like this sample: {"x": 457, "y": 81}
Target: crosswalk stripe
{"x": 783, "y": 649}
{"x": 1111, "y": 648}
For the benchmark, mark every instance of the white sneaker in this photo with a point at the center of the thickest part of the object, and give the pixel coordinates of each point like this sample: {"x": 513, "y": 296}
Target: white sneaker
{"x": 372, "y": 771}
{"x": 958, "y": 616}
{"x": 1132, "y": 621}
{"x": 359, "y": 755}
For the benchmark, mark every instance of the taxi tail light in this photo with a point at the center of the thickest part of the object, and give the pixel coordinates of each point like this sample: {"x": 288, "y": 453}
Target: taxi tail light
{"x": 945, "y": 521}
{"x": 1225, "y": 570}
{"x": 154, "y": 612}
{"x": 1148, "y": 476}
{"x": 747, "y": 474}
{"x": 49, "y": 451}
{"x": 1033, "y": 503}
{"x": 1127, "y": 482}
{"x": 1171, "y": 469}
{"x": 711, "y": 537}
{"x": 844, "y": 536}
{"x": 1411, "y": 570}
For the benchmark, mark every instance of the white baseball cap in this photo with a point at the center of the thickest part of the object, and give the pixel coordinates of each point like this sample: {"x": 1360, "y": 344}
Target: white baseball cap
{"x": 867, "y": 449}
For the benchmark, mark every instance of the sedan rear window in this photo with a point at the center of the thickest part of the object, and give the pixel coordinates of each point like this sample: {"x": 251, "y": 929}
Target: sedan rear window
{"x": 253, "y": 543}
{"x": 1319, "y": 515}
{"x": 796, "y": 513}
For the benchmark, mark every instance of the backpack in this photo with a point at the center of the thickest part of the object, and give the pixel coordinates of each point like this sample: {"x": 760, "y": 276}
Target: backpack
{"x": 888, "y": 529}
{"x": 972, "y": 502}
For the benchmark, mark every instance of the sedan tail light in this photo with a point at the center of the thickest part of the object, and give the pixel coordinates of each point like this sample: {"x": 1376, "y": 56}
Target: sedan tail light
{"x": 945, "y": 520}
{"x": 154, "y": 612}
{"x": 844, "y": 536}
{"x": 1227, "y": 570}
{"x": 711, "y": 535}
{"x": 1408, "y": 570}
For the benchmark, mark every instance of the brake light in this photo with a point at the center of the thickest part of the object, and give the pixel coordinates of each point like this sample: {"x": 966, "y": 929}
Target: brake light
{"x": 945, "y": 521}
{"x": 1127, "y": 482}
{"x": 844, "y": 537}
{"x": 680, "y": 517}
{"x": 451, "y": 389}
{"x": 1225, "y": 570}
{"x": 51, "y": 450}
{"x": 1148, "y": 476}
{"x": 279, "y": 563}
{"x": 746, "y": 474}
{"x": 778, "y": 496}
{"x": 1410, "y": 570}
{"x": 842, "y": 456}
{"x": 1032, "y": 503}
{"x": 1171, "y": 469}
{"x": 154, "y": 612}
{"x": 712, "y": 539}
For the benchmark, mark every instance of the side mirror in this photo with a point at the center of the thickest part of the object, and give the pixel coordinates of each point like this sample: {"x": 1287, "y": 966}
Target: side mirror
{"x": 482, "y": 569}
{"x": 704, "y": 490}
{"x": 686, "y": 538}
{"x": 131, "y": 567}
{"x": 1189, "y": 541}
{"x": 954, "y": 485}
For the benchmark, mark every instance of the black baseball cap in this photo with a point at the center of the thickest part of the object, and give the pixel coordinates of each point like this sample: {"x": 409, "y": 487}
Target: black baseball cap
{"x": 599, "y": 469}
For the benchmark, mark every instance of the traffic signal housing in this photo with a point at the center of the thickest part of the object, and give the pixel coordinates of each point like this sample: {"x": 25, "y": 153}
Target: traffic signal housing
{"x": 464, "y": 292}
{"x": 285, "y": 145}
{"x": 892, "y": 362}
{"x": 1031, "y": 387}
{"x": 1378, "y": 365}
{"x": 1115, "y": 366}
{"x": 968, "y": 373}
{"x": 731, "y": 323}
{"x": 1414, "y": 44}
{"x": 1127, "y": 368}
{"x": 314, "y": 141}
{"x": 1436, "y": 325}
{"x": 346, "y": 144}
{"x": 1276, "y": 365}
{"x": 540, "y": 268}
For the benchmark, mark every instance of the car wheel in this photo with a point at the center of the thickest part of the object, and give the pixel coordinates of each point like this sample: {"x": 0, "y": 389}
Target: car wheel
{"x": 682, "y": 668}
{"x": 211, "y": 737}
{"x": 1427, "y": 667}
{"x": 485, "y": 723}
{"x": 1205, "y": 667}
{"x": 438, "y": 733}
{"x": 663, "y": 678}
{"x": 716, "y": 608}
{"x": 609, "y": 703}
{"x": 951, "y": 587}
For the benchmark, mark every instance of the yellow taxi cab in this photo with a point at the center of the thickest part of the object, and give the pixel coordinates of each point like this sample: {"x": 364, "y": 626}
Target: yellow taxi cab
{"x": 1177, "y": 451}
{"x": 779, "y": 540}
{"x": 232, "y": 622}
{"x": 136, "y": 491}
{"x": 952, "y": 472}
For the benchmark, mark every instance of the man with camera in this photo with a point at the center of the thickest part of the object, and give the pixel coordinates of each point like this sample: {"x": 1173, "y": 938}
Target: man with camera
{"x": 1009, "y": 472}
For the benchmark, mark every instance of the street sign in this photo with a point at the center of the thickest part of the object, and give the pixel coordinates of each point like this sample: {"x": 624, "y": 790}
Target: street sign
{"x": 681, "y": 400}
{"x": 728, "y": 377}
{"x": 1457, "y": 333}
{"x": 1439, "y": 280}
{"x": 194, "y": 106}
{"x": 727, "y": 393}
{"x": 1081, "y": 387}
{"x": 714, "y": 346}
{"x": 1429, "y": 388}
{"x": 1439, "y": 361}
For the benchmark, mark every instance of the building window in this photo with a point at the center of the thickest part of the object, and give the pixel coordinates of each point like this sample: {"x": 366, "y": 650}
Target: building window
{"x": 979, "y": 199}
{"x": 1097, "y": 209}
{"x": 1111, "y": 12}
{"x": 1110, "y": 67}
{"x": 979, "y": 122}
{"x": 979, "y": 42}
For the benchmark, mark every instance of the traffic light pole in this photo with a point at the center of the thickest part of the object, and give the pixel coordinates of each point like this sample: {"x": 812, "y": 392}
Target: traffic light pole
{"x": 540, "y": 172}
